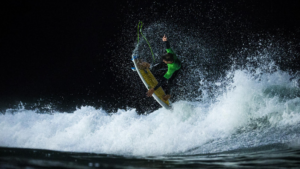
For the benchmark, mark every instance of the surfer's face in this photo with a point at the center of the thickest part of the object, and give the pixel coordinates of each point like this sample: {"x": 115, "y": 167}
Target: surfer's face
{"x": 167, "y": 62}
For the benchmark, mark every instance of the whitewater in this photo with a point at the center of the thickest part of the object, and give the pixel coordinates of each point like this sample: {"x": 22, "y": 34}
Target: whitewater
{"x": 252, "y": 112}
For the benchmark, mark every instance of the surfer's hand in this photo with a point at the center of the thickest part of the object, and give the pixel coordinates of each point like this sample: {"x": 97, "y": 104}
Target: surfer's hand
{"x": 164, "y": 38}
{"x": 150, "y": 92}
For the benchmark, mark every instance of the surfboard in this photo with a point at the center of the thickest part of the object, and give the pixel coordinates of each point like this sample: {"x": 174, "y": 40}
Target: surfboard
{"x": 150, "y": 82}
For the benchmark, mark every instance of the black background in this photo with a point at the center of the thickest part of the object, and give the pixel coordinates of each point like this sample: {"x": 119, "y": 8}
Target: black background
{"x": 64, "y": 52}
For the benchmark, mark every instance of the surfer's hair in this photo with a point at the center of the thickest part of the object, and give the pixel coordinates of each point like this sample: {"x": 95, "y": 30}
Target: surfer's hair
{"x": 168, "y": 57}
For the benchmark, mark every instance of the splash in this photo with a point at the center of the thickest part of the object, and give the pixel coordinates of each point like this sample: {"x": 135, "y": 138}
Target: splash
{"x": 253, "y": 112}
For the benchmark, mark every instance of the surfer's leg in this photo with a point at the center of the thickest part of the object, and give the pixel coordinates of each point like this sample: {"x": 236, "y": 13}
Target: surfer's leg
{"x": 166, "y": 86}
{"x": 170, "y": 84}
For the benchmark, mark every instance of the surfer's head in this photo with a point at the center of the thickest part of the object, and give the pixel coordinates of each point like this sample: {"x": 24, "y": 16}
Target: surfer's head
{"x": 168, "y": 58}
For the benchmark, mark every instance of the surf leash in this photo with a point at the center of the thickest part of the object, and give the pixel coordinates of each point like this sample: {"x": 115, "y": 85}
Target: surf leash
{"x": 139, "y": 30}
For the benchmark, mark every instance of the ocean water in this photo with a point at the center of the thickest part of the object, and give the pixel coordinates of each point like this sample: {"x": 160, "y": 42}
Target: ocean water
{"x": 255, "y": 123}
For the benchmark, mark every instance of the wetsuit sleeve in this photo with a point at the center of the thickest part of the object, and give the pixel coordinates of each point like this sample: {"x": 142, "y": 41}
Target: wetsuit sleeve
{"x": 169, "y": 50}
{"x": 167, "y": 44}
{"x": 160, "y": 83}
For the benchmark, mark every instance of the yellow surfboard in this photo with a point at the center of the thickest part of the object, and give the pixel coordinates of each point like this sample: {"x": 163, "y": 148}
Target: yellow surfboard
{"x": 150, "y": 82}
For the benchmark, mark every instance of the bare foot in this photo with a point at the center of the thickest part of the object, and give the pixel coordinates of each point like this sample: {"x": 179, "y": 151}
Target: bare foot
{"x": 166, "y": 97}
{"x": 144, "y": 65}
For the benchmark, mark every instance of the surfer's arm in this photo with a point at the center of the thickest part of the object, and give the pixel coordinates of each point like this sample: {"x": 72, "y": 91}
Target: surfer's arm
{"x": 169, "y": 50}
{"x": 167, "y": 44}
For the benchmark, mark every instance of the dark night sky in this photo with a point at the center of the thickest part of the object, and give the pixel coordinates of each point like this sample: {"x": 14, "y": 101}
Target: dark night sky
{"x": 51, "y": 42}
{"x": 64, "y": 48}
{"x": 57, "y": 48}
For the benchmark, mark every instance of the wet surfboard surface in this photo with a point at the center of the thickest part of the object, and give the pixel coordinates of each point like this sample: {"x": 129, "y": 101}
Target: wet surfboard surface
{"x": 150, "y": 82}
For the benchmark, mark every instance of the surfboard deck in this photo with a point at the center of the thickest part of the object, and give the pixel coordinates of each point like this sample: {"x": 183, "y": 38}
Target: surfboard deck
{"x": 150, "y": 82}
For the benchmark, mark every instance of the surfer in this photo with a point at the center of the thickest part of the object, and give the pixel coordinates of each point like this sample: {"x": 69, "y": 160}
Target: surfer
{"x": 174, "y": 66}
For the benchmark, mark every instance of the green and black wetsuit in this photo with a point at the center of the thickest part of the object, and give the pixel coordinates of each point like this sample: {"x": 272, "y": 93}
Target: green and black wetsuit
{"x": 173, "y": 69}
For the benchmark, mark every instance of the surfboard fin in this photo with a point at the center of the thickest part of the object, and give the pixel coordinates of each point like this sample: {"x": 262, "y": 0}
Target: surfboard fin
{"x": 135, "y": 57}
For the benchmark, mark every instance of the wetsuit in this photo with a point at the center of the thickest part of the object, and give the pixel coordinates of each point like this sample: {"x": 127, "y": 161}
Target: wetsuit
{"x": 173, "y": 69}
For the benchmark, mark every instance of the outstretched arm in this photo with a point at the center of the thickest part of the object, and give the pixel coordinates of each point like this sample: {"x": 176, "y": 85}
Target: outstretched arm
{"x": 165, "y": 38}
{"x": 166, "y": 42}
